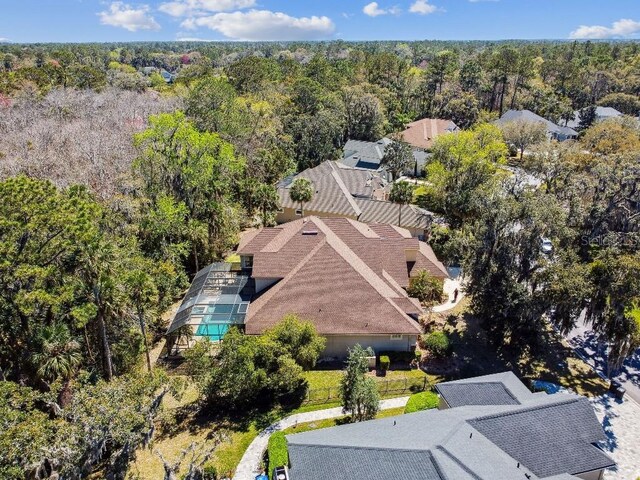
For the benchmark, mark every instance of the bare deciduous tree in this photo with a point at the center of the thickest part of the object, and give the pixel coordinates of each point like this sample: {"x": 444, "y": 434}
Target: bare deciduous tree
{"x": 75, "y": 137}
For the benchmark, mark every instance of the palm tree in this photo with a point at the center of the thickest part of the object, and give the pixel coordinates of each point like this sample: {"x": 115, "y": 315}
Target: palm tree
{"x": 301, "y": 191}
{"x": 143, "y": 293}
{"x": 58, "y": 356}
{"x": 402, "y": 194}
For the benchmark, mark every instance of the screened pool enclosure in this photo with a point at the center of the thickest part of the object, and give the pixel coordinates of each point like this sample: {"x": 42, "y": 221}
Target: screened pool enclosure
{"x": 217, "y": 300}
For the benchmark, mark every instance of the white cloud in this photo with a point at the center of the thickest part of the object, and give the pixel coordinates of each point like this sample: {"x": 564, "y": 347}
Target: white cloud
{"x": 264, "y": 25}
{"x": 624, "y": 27}
{"x": 3, "y": 39}
{"x": 125, "y": 16}
{"x": 373, "y": 10}
{"x": 423, "y": 7}
{"x": 188, "y": 8}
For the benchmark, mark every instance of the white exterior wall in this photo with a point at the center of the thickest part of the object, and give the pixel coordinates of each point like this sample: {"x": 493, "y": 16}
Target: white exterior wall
{"x": 262, "y": 283}
{"x": 338, "y": 345}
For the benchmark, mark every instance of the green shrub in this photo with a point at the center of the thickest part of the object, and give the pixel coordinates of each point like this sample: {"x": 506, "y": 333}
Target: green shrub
{"x": 437, "y": 343}
{"x": 277, "y": 452}
{"x": 421, "y": 401}
{"x": 210, "y": 472}
{"x": 398, "y": 356}
{"x": 385, "y": 362}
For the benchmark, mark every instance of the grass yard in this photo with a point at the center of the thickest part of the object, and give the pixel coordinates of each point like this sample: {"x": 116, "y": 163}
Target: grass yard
{"x": 332, "y": 422}
{"x": 554, "y": 361}
{"x": 324, "y": 384}
{"x": 179, "y": 426}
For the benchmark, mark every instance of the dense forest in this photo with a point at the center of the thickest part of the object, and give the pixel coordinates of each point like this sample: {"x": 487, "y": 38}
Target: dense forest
{"x": 117, "y": 184}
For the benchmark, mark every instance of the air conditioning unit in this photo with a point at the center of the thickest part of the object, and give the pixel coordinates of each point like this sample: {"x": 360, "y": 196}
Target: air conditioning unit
{"x": 281, "y": 473}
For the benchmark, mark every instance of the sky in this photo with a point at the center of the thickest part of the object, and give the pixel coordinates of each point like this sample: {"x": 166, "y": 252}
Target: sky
{"x": 145, "y": 20}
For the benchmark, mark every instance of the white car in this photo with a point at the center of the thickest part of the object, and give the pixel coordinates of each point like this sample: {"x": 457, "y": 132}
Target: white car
{"x": 546, "y": 246}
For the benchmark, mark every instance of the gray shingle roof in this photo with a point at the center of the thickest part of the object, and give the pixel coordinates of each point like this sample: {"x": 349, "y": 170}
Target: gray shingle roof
{"x": 355, "y": 193}
{"x": 602, "y": 113}
{"x": 486, "y": 393}
{"x": 549, "y": 439}
{"x": 548, "y": 435}
{"x": 529, "y": 116}
{"x": 368, "y": 155}
{"x": 380, "y": 211}
{"x": 496, "y": 389}
{"x": 321, "y": 462}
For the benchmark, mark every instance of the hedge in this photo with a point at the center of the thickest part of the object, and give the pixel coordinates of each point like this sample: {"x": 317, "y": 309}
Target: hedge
{"x": 437, "y": 343}
{"x": 421, "y": 401}
{"x": 398, "y": 356}
{"x": 384, "y": 363}
{"x": 277, "y": 452}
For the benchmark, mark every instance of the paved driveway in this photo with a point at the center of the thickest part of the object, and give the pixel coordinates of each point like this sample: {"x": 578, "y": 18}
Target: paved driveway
{"x": 621, "y": 422}
{"x": 587, "y": 344}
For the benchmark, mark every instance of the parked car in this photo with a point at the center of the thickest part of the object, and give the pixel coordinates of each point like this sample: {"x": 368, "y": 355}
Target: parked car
{"x": 546, "y": 246}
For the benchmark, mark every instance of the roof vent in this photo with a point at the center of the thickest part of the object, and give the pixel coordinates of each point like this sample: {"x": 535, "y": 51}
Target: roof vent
{"x": 309, "y": 232}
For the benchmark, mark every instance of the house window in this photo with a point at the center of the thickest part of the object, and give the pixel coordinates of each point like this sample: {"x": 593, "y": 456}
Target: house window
{"x": 247, "y": 261}
{"x": 298, "y": 212}
{"x": 396, "y": 337}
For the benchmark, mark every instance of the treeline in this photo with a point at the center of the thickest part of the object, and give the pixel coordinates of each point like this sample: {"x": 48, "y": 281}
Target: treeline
{"x": 583, "y": 196}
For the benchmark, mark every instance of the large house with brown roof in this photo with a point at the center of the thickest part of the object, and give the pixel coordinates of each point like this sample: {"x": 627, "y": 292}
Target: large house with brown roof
{"x": 346, "y": 277}
{"x": 356, "y": 193}
{"x": 422, "y": 133}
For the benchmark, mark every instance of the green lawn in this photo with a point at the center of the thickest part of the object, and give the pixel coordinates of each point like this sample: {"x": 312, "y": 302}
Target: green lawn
{"x": 332, "y": 422}
{"x": 324, "y": 384}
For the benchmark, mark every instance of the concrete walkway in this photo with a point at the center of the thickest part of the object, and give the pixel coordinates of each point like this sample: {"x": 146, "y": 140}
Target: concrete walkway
{"x": 450, "y": 286}
{"x": 249, "y": 465}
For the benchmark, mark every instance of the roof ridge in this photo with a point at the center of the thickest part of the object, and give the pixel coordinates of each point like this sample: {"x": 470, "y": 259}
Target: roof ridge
{"x": 491, "y": 382}
{"x": 345, "y": 191}
{"x": 363, "y": 269}
{"x": 357, "y": 447}
{"x": 529, "y": 408}
{"x": 436, "y": 465}
{"x": 357, "y": 263}
{"x": 458, "y": 462}
{"x": 262, "y": 300}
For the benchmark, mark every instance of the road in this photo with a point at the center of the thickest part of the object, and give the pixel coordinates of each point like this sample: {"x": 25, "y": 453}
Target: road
{"x": 585, "y": 342}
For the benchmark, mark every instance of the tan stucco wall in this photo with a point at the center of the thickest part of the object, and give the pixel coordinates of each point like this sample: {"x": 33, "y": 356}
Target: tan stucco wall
{"x": 289, "y": 215}
{"x": 338, "y": 345}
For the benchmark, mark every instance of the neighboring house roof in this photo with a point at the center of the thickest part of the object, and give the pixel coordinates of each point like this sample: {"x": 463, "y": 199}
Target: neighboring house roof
{"x": 330, "y": 195}
{"x": 345, "y": 276}
{"x": 529, "y": 116}
{"x": 548, "y": 436}
{"x": 352, "y": 192}
{"x": 369, "y": 155}
{"x": 422, "y": 133}
{"x": 382, "y": 211}
{"x": 602, "y": 113}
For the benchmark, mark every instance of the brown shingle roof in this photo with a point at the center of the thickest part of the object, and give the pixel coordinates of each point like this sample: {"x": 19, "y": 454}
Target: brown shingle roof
{"x": 345, "y": 276}
{"x": 422, "y": 133}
